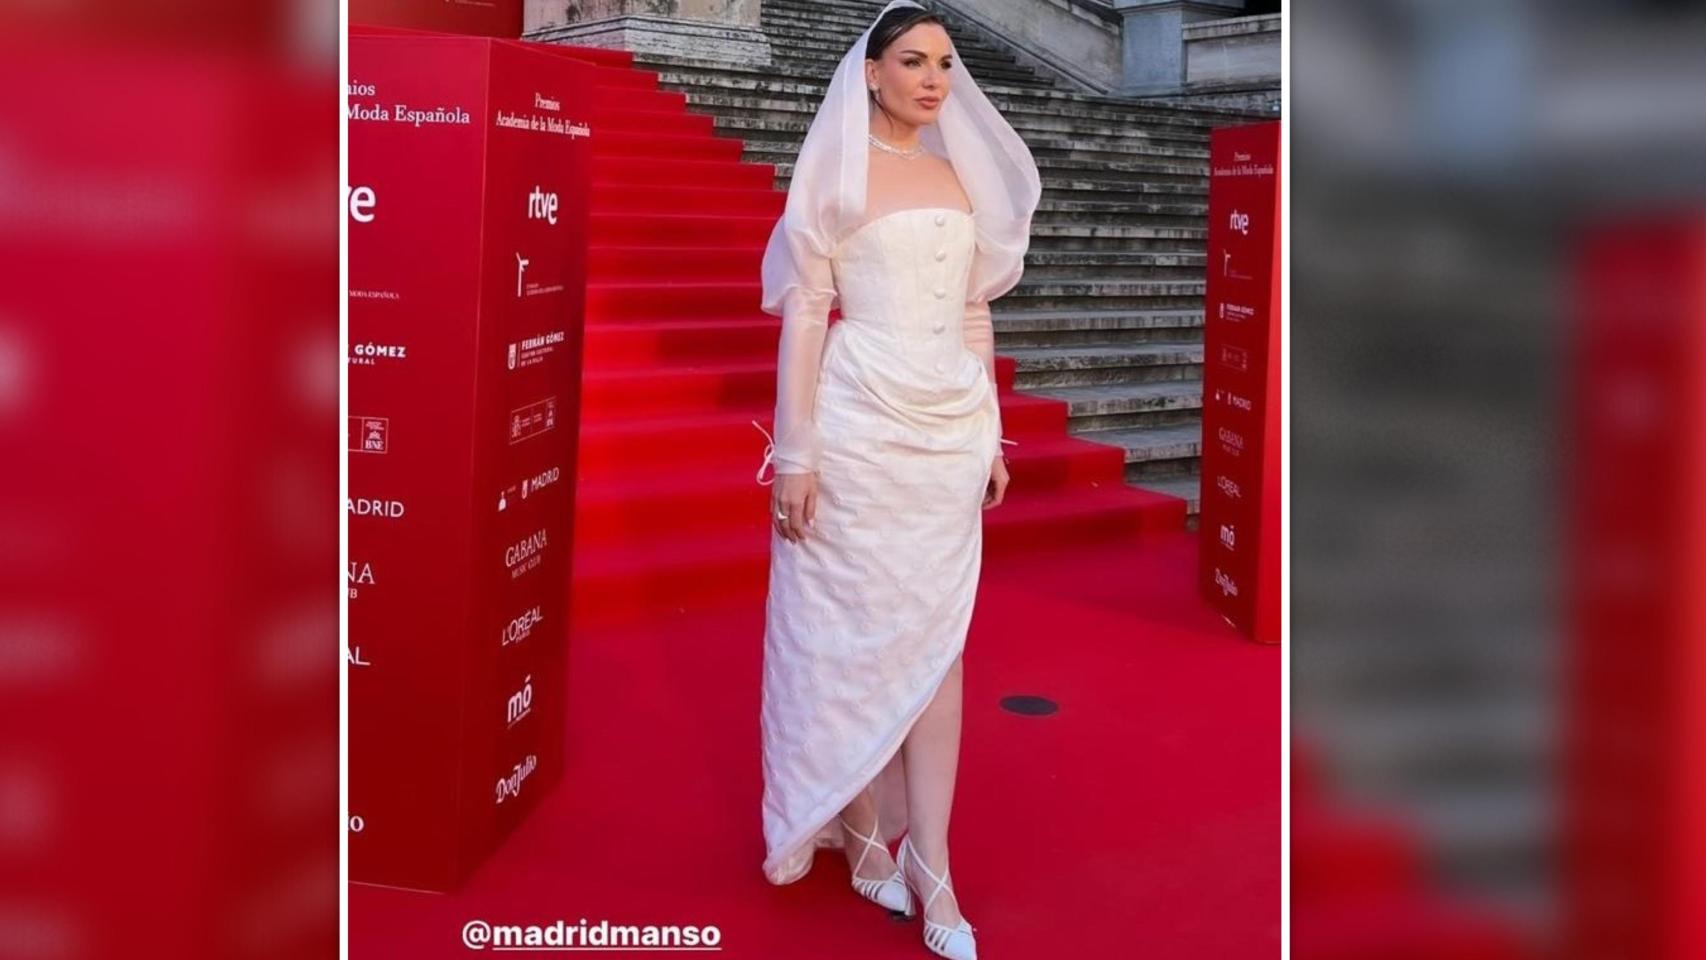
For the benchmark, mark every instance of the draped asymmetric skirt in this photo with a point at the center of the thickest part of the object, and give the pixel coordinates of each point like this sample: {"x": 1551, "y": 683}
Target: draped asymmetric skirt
{"x": 865, "y": 617}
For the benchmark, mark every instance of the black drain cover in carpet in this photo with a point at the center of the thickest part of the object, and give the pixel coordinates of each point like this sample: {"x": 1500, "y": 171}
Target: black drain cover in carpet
{"x": 1029, "y": 706}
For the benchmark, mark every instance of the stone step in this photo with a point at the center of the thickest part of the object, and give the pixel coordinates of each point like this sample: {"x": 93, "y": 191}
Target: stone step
{"x": 1095, "y": 405}
{"x": 869, "y": 9}
{"x": 819, "y": 63}
{"x": 1058, "y": 328}
{"x": 1139, "y": 170}
{"x": 1121, "y": 211}
{"x": 676, "y": 71}
{"x": 844, "y": 26}
{"x": 1178, "y": 445}
{"x": 821, "y": 66}
{"x": 1045, "y": 150}
{"x": 1068, "y": 148}
{"x": 819, "y": 34}
{"x": 1028, "y": 101}
{"x": 1134, "y": 190}
{"x": 1079, "y": 365}
{"x": 792, "y": 125}
{"x": 1116, "y": 236}
{"x": 1072, "y": 190}
{"x": 1045, "y": 296}
{"x": 1131, "y": 403}
{"x": 795, "y": 113}
{"x": 1099, "y": 264}
{"x": 1186, "y": 486}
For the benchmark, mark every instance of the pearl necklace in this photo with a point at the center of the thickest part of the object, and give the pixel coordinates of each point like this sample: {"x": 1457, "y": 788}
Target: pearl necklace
{"x": 912, "y": 154}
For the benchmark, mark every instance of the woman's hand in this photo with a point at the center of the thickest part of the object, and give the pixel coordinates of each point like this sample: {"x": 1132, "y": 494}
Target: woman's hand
{"x": 997, "y": 483}
{"x": 796, "y": 498}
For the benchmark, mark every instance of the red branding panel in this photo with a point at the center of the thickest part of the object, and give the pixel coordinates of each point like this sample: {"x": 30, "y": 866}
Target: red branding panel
{"x": 485, "y": 18}
{"x": 1634, "y": 813}
{"x": 1241, "y": 499}
{"x": 467, "y": 209}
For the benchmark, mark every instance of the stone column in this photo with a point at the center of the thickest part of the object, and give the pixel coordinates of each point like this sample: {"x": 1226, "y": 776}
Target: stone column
{"x": 722, "y": 30}
{"x": 1153, "y": 54}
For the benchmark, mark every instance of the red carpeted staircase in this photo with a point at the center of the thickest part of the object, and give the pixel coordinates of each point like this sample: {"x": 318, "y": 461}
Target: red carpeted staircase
{"x": 679, "y": 361}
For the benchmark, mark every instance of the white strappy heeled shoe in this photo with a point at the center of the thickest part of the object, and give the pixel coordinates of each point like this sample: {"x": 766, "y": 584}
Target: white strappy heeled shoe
{"x": 956, "y": 942}
{"x": 891, "y": 892}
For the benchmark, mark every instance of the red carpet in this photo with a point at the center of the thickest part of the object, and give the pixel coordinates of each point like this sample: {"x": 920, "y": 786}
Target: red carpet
{"x": 1361, "y": 889}
{"x": 1141, "y": 820}
{"x": 680, "y": 361}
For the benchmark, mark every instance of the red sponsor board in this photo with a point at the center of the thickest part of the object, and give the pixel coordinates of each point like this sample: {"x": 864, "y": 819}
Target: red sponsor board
{"x": 484, "y": 18}
{"x": 1241, "y": 498}
{"x": 168, "y": 732}
{"x": 1634, "y": 814}
{"x": 469, "y": 166}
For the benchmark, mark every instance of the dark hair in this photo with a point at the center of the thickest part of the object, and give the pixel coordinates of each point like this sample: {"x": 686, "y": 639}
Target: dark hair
{"x": 891, "y": 25}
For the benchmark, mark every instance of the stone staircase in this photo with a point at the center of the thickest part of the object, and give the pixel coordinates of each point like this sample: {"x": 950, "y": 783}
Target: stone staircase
{"x": 1108, "y": 317}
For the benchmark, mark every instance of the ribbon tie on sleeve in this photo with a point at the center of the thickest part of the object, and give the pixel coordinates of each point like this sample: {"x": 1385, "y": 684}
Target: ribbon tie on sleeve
{"x": 769, "y": 455}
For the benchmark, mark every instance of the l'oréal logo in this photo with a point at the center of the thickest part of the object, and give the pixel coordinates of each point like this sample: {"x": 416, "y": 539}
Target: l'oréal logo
{"x": 1229, "y": 486}
{"x": 521, "y": 627}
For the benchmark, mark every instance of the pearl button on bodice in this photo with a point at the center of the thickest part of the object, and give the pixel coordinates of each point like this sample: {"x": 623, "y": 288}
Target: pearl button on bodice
{"x": 901, "y": 279}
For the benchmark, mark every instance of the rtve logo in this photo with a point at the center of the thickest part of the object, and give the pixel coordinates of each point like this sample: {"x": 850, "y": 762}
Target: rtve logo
{"x": 361, "y": 202}
{"x": 1241, "y": 222}
{"x": 542, "y": 206}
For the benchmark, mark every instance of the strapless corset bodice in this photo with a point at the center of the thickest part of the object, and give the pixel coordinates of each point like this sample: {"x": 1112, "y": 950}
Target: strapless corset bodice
{"x": 902, "y": 277}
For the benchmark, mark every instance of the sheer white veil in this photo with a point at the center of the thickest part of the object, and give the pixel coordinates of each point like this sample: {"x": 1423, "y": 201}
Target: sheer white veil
{"x": 826, "y": 197}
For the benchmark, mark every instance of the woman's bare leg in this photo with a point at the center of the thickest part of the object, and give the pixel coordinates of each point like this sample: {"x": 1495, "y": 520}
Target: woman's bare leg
{"x": 932, "y": 753}
{"x": 861, "y": 814}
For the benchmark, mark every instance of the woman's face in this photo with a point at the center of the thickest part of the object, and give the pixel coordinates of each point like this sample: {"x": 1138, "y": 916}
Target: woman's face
{"x": 911, "y": 76}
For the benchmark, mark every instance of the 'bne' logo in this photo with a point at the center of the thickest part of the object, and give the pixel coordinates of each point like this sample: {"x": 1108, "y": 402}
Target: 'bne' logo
{"x": 1228, "y": 536}
{"x": 1240, "y": 222}
{"x": 542, "y": 206}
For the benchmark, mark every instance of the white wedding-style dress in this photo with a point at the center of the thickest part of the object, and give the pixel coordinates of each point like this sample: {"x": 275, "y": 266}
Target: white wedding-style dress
{"x": 866, "y": 615}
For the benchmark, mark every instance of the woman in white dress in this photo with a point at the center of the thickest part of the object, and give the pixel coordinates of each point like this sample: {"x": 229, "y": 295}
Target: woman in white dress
{"x": 910, "y": 206}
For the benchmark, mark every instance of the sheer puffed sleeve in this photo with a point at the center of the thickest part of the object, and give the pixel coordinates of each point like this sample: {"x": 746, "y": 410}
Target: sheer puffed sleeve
{"x": 800, "y": 286}
{"x": 980, "y": 339}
